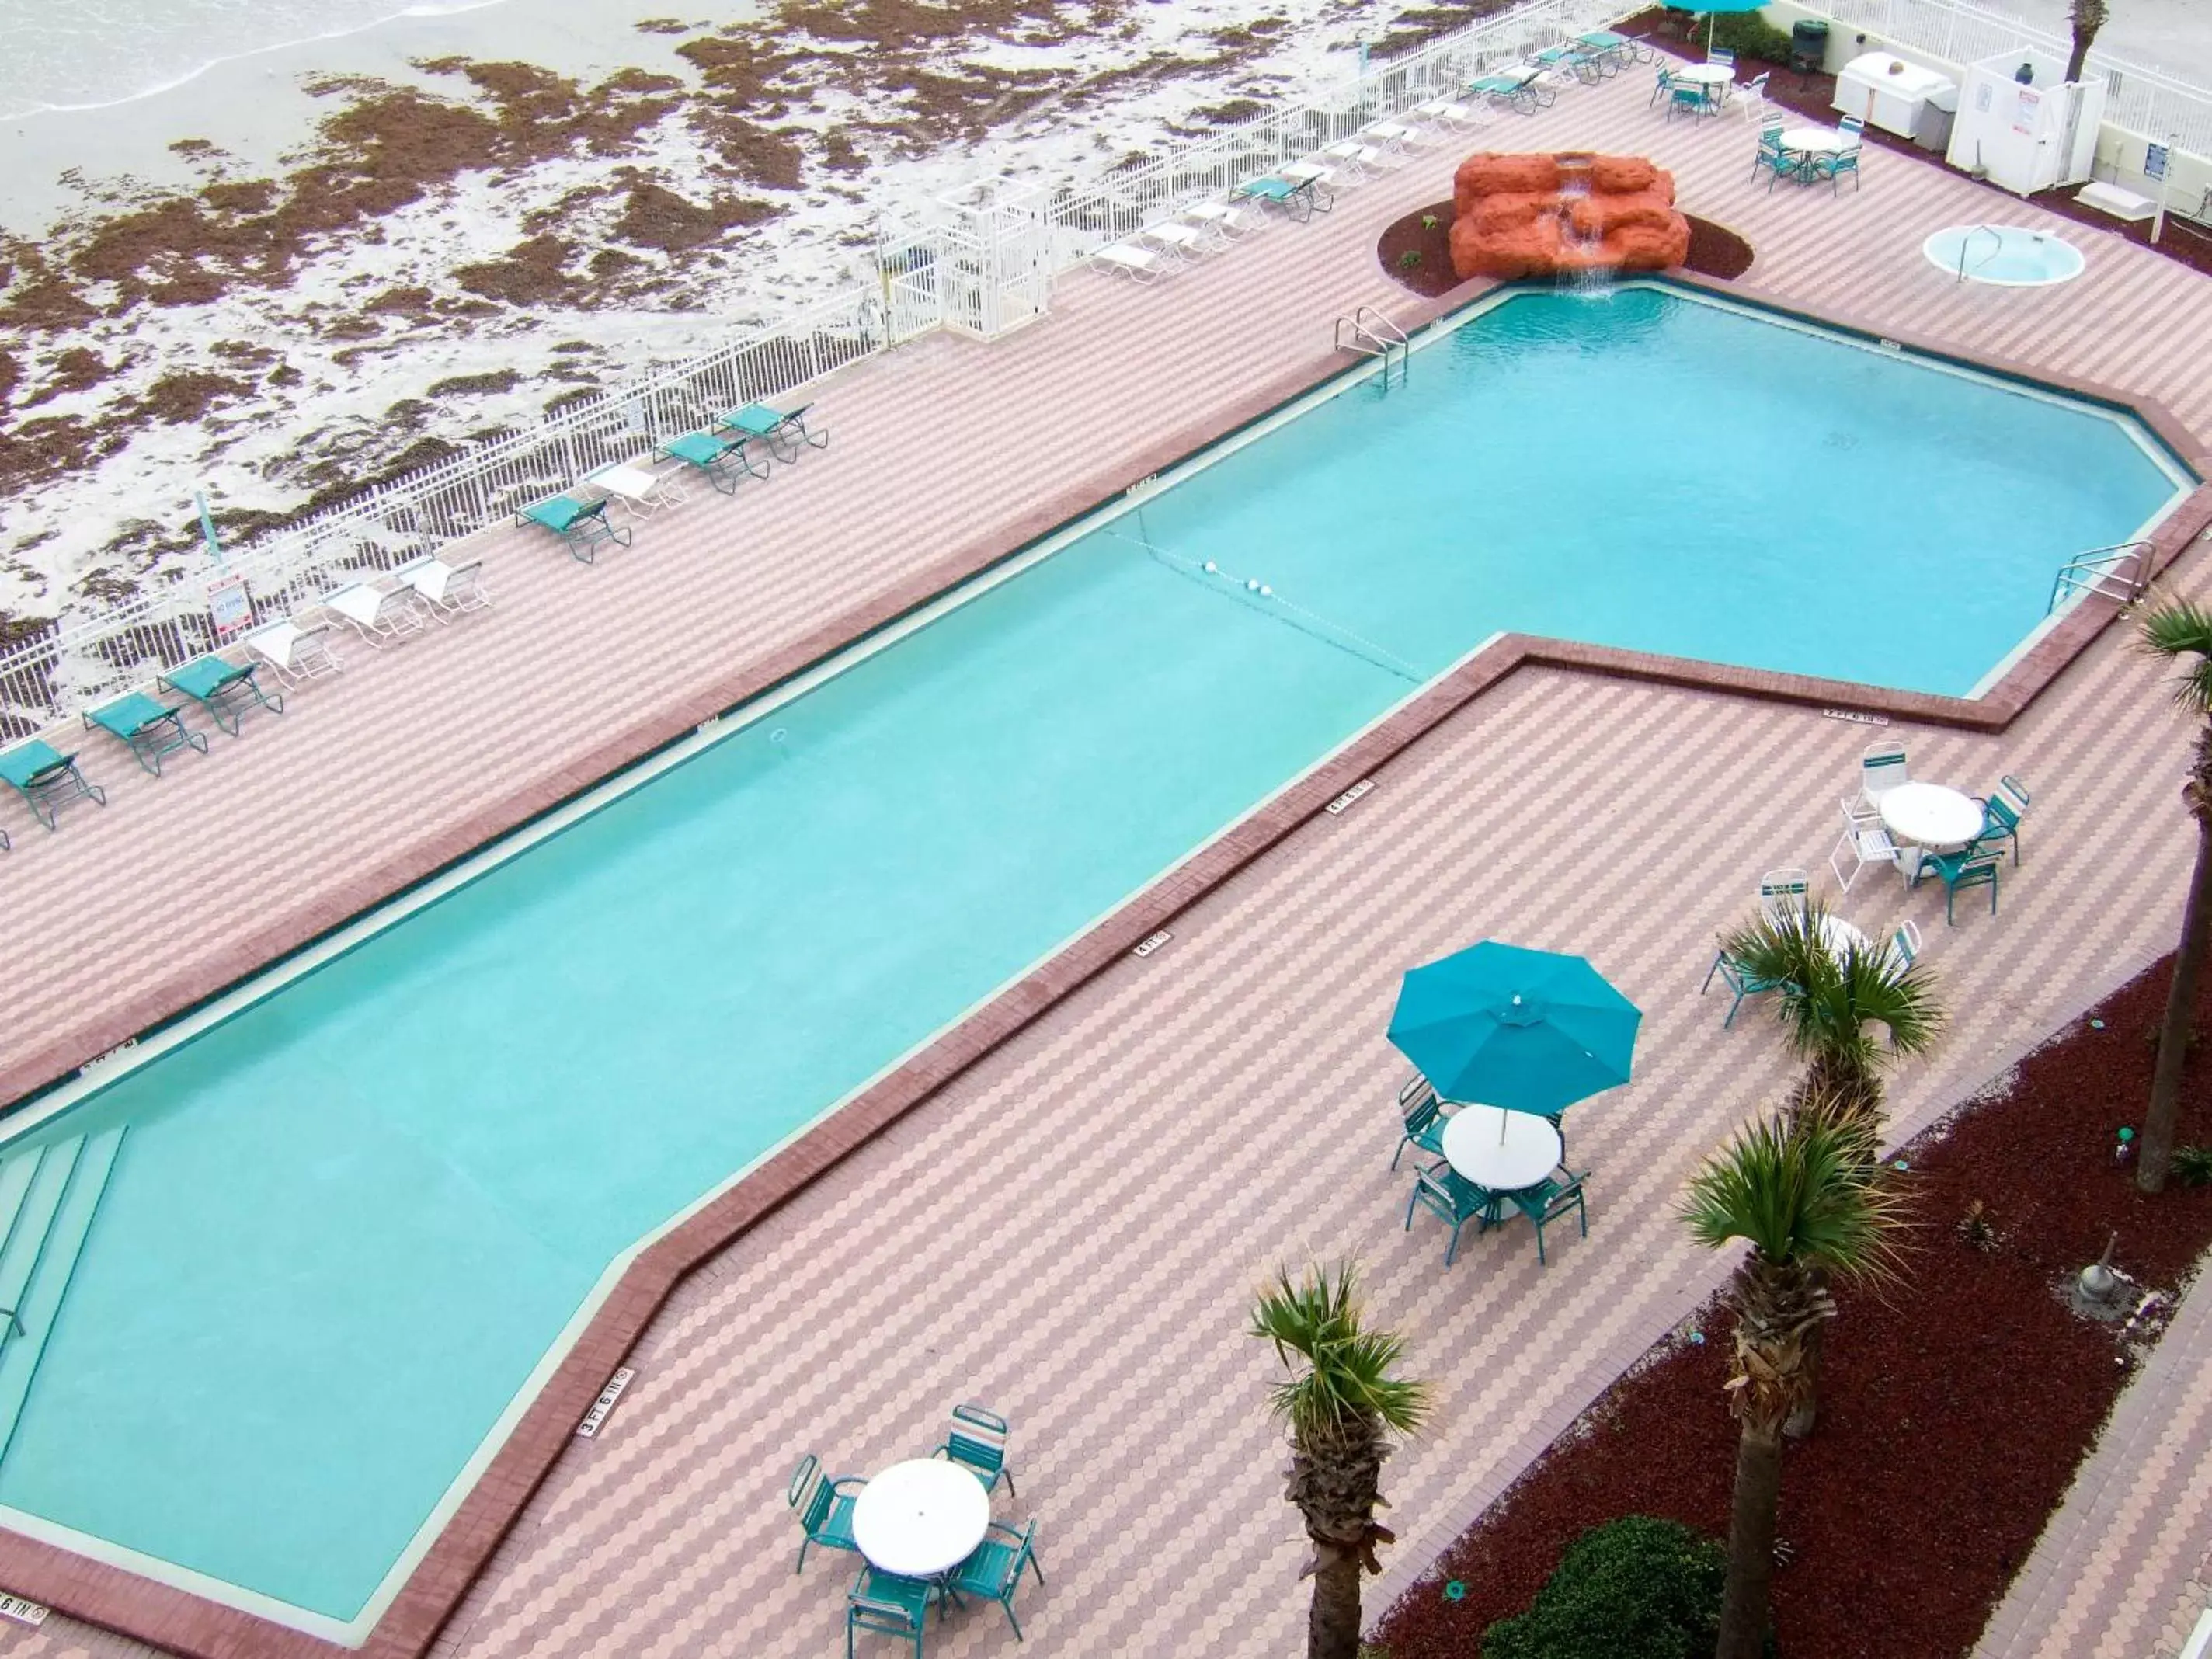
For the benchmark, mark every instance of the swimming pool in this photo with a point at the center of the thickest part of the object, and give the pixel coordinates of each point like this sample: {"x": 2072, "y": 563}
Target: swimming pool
{"x": 350, "y": 1223}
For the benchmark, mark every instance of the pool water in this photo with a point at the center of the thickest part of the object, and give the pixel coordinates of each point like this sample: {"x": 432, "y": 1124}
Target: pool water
{"x": 348, "y": 1222}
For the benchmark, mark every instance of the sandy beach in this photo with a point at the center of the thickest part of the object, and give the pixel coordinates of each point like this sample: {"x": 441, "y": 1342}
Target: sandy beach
{"x": 306, "y": 268}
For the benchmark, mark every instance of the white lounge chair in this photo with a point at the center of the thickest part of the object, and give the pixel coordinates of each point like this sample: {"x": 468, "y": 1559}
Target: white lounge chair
{"x": 1137, "y": 265}
{"x": 1398, "y": 136}
{"x": 641, "y": 488}
{"x": 449, "y": 590}
{"x": 1180, "y": 242}
{"x": 377, "y": 614}
{"x": 1458, "y": 117}
{"x": 1359, "y": 161}
{"x": 1220, "y": 221}
{"x": 295, "y": 652}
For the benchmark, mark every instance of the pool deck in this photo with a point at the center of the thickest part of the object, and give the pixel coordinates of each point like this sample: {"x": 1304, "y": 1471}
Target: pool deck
{"x": 1069, "y": 1228}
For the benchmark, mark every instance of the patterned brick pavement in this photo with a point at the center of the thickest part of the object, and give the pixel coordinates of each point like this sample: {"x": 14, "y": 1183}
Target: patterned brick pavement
{"x": 1071, "y": 1228}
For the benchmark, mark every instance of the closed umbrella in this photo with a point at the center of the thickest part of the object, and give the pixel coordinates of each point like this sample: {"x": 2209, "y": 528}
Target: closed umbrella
{"x": 1501, "y": 1025}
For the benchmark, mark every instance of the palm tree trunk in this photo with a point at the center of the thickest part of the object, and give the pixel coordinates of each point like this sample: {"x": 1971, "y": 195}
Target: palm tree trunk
{"x": 1807, "y": 1412}
{"x": 2154, "y": 1153}
{"x": 1332, "y": 1625}
{"x": 1751, "y": 1543}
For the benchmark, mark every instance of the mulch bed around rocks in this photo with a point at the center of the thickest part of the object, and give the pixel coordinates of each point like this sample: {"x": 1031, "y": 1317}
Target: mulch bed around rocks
{"x": 1715, "y": 251}
{"x": 1954, "y": 1408}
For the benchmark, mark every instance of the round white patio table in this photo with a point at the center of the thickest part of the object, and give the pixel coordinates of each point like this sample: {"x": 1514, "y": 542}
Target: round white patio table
{"x": 921, "y": 1517}
{"x": 1813, "y": 141}
{"x": 1503, "y": 1157}
{"x": 1930, "y": 816}
{"x": 1704, "y": 75}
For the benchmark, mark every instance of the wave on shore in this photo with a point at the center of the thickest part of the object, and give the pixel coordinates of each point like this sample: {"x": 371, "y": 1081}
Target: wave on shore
{"x": 64, "y": 60}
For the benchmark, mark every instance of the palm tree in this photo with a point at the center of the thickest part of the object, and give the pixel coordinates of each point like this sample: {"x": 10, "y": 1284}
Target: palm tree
{"x": 1829, "y": 1006}
{"x": 2086, "y": 17}
{"x": 1799, "y": 1190}
{"x": 1830, "y": 1003}
{"x": 2180, "y": 631}
{"x": 1342, "y": 1405}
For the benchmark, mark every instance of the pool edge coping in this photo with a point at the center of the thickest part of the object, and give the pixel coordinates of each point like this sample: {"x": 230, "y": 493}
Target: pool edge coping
{"x": 116, "y": 1599}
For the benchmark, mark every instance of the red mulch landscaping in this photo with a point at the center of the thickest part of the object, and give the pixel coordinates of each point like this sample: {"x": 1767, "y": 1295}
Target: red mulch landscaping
{"x": 1954, "y": 1407}
{"x": 1715, "y": 251}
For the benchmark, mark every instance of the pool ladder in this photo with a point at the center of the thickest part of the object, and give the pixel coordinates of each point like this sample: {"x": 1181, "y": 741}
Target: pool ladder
{"x": 1371, "y": 334}
{"x": 1968, "y": 242}
{"x": 2122, "y": 571}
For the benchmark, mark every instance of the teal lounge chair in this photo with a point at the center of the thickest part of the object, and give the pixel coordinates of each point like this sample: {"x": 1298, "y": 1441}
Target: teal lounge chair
{"x": 149, "y": 728}
{"x": 225, "y": 690}
{"x": 781, "y": 433}
{"x": 718, "y": 457}
{"x": 45, "y": 778}
{"x": 581, "y": 525}
{"x": 1300, "y": 198}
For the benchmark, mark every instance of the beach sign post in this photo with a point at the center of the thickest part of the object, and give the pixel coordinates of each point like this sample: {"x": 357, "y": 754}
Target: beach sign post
{"x": 229, "y": 606}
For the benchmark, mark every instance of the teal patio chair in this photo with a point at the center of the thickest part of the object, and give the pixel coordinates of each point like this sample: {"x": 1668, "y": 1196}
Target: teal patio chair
{"x": 782, "y": 432}
{"x": 44, "y": 778}
{"x": 581, "y": 525}
{"x": 977, "y": 1441}
{"x": 1690, "y": 98}
{"x": 994, "y": 1570}
{"x": 1548, "y": 1200}
{"x": 149, "y": 729}
{"x": 1664, "y": 88}
{"x": 1424, "y": 1112}
{"x": 722, "y": 459}
{"x": 2001, "y": 813}
{"x": 1739, "y": 980}
{"x": 1833, "y": 167}
{"x": 226, "y": 690}
{"x": 1772, "y": 158}
{"x": 887, "y": 1605}
{"x": 1972, "y": 866}
{"x": 1450, "y": 1197}
{"x": 823, "y": 1505}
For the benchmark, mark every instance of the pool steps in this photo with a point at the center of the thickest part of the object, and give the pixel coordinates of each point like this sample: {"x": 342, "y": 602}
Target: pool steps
{"x": 48, "y": 1196}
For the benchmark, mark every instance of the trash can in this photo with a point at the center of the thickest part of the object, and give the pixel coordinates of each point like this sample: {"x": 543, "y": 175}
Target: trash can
{"x": 1931, "y": 128}
{"x": 1808, "y": 46}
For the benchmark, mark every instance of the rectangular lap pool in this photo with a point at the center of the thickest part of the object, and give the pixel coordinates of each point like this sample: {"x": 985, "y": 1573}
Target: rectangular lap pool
{"x": 349, "y": 1221}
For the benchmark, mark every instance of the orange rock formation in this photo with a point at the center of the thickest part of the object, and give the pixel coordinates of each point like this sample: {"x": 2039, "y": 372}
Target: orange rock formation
{"x": 1537, "y": 216}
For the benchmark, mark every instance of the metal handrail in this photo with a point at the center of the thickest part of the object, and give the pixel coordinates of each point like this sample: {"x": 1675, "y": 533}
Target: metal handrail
{"x": 1968, "y": 242}
{"x": 2090, "y": 572}
{"x": 1374, "y": 335}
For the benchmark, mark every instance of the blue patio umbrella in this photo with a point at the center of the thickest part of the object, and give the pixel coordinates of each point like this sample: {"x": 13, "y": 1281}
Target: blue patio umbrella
{"x": 1529, "y": 1030}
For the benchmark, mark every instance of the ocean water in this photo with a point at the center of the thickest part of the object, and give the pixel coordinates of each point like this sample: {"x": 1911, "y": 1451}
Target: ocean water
{"x": 103, "y": 53}
{"x": 348, "y": 1221}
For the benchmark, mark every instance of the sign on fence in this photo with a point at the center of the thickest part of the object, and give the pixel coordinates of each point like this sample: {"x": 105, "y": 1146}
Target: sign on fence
{"x": 2154, "y": 161}
{"x": 229, "y": 607}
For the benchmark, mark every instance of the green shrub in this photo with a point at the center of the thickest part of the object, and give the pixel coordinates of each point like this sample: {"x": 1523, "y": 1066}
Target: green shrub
{"x": 1640, "y": 1586}
{"x": 2192, "y": 1165}
{"x": 1429, "y": 221}
{"x": 1748, "y": 34}
{"x": 1409, "y": 258}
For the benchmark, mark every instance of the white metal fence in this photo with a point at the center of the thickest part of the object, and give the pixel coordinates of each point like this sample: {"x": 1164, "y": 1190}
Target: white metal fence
{"x": 982, "y": 265}
{"x": 2143, "y": 100}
